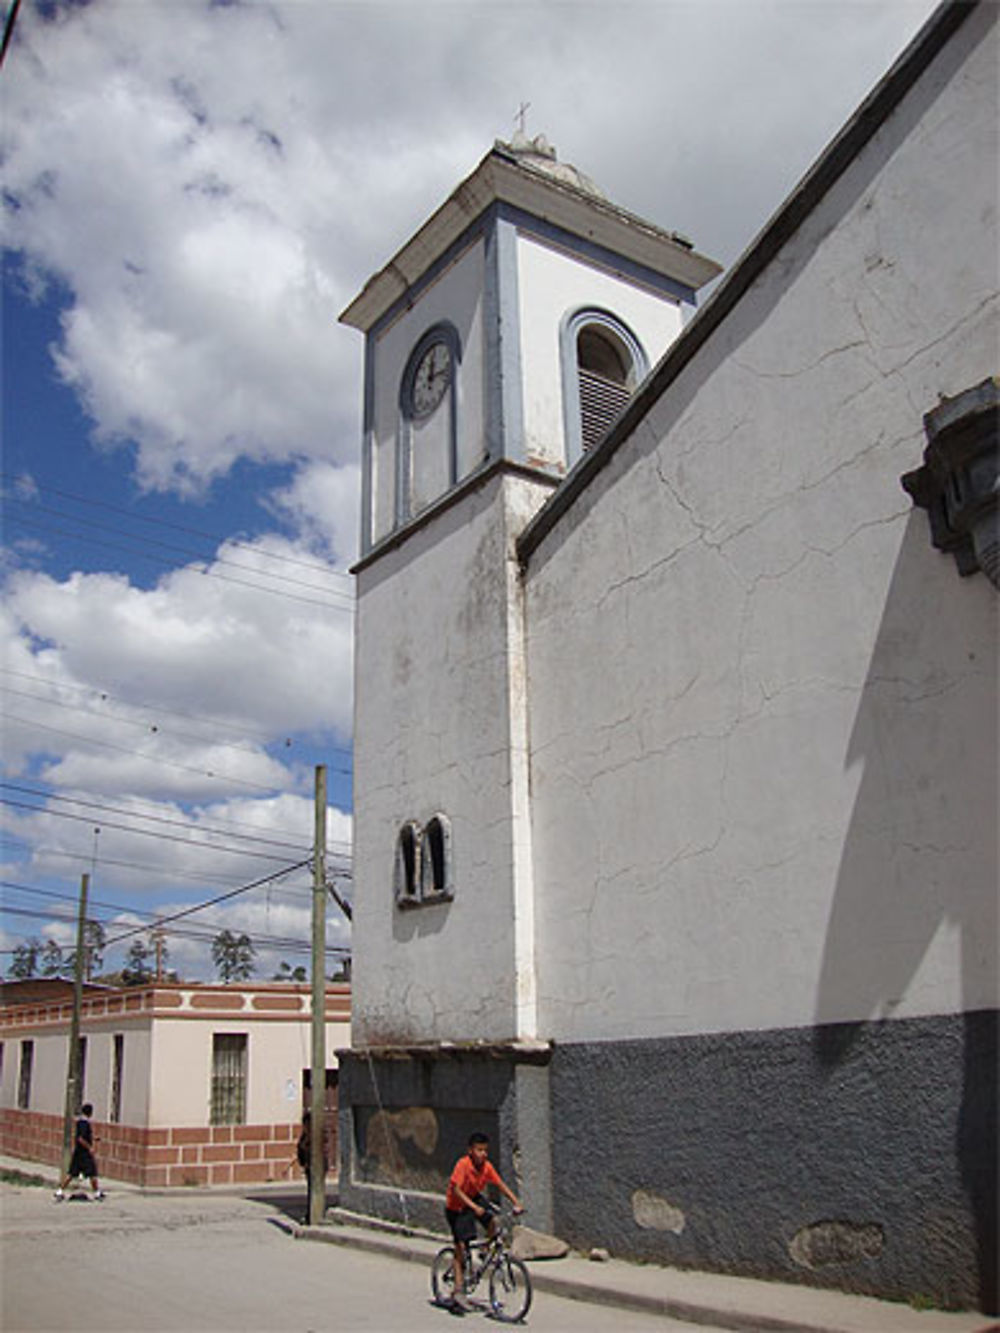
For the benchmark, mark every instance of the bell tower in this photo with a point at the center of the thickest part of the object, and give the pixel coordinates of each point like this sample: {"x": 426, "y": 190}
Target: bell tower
{"x": 501, "y": 342}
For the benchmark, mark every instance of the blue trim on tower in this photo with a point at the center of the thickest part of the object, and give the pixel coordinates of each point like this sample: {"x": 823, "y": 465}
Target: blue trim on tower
{"x": 503, "y": 406}
{"x": 367, "y": 448}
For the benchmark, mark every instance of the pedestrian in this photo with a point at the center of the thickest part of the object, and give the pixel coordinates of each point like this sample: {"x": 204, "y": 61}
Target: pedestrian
{"x": 465, "y": 1204}
{"x": 303, "y": 1154}
{"x": 82, "y": 1162}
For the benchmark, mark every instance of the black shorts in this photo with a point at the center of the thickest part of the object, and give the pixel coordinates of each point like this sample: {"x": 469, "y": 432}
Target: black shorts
{"x": 82, "y": 1163}
{"x": 463, "y": 1223}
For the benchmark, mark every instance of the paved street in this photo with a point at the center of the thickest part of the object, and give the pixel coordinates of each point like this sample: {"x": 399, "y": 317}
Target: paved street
{"x": 209, "y": 1264}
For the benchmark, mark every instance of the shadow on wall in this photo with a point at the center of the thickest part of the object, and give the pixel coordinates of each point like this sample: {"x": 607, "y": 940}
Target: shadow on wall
{"x": 920, "y": 855}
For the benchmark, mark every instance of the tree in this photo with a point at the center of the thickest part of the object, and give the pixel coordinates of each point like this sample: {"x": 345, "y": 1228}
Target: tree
{"x": 52, "y": 964}
{"x": 138, "y": 968}
{"x": 287, "y": 973}
{"x": 233, "y": 956}
{"x": 93, "y": 950}
{"x": 24, "y": 964}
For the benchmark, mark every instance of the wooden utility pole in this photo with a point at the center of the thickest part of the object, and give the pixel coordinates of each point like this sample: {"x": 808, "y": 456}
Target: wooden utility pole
{"x": 317, "y": 1100}
{"x": 73, "y": 1089}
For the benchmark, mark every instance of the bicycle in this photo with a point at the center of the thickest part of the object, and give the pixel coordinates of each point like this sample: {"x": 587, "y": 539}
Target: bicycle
{"x": 509, "y": 1281}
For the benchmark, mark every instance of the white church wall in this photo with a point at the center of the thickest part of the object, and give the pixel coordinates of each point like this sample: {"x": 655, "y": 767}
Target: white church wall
{"x": 455, "y": 295}
{"x": 434, "y": 736}
{"x": 763, "y": 708}
{"x": 551, "y": 285}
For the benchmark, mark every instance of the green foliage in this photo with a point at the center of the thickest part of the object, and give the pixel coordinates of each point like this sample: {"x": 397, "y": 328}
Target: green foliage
{"x": 10, "y": 1177}
{"x": 288, "y": 973}
{"x": 233, "y": 956}
{"x": 24, "y": 964}
{"x": 138, "y": 969}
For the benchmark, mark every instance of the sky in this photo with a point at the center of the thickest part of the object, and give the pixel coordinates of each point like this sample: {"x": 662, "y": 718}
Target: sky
{"x": 192, "y": 193}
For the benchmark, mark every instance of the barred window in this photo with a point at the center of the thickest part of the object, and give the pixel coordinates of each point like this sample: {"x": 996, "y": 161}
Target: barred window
{"x": 81, "y": 1071}
{"x": 229, "y": 1078}
{"x": 24, "y": 1075}
{"x": 117, "y": 1070}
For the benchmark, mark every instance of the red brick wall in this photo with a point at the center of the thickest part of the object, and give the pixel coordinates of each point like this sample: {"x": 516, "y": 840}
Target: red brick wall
{"x": 220, "y": 1155}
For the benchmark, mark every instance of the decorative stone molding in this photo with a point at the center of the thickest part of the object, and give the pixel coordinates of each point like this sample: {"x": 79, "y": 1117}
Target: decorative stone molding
{"x": 959, "y": 483}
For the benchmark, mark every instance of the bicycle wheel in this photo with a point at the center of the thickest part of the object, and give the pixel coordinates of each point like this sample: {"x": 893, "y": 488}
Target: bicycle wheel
{"x": 443, "y": 1275}
{"x": 510, "y": 1290}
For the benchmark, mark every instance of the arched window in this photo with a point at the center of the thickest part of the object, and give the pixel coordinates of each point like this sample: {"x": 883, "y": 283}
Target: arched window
{"x": 603, "y": 363}
{"x": 406, "y": 875}
{"x": 435, "y": 859}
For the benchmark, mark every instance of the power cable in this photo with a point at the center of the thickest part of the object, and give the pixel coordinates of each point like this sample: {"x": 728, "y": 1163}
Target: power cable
{"x": 138, "y": 754}
{"x": 154, "y": 819}
{"x": 215, "y": 558}
{"x": 41, "y": 849}
{"x": 177, "y": 527}
{"x": 266, "y": 737}
{"x": 170, "y": 564}
{"x": 140, "y": 832}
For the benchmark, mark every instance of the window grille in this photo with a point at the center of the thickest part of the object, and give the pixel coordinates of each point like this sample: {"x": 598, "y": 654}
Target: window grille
{"x": 24, "y": 1076}
{"x": 117, "y": 1070}
{"x": 81, "y": 1071}
{"x": 229, "y": 1078}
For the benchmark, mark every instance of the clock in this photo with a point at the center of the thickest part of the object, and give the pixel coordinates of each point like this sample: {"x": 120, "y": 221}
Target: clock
{"x": 431, "y": 379}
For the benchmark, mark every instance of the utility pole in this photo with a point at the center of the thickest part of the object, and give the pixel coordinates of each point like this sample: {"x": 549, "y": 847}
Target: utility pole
{"x": 73, "y": 1063}
{"x": 158, "y": 941}
{"x": 317, "y": 1100}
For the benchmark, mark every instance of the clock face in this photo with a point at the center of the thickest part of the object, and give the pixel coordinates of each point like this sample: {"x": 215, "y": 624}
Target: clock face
{"x": 432, "y": 379}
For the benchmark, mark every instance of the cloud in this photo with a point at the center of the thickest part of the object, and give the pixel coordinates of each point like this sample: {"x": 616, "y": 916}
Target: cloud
{"x": 213, "y": 183}
{"x": 240, "y": 639}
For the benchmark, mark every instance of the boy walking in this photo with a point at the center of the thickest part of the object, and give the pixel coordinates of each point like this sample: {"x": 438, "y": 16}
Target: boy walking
{"x": 465, "y": 1204}
{"x": 82, "y": 1162}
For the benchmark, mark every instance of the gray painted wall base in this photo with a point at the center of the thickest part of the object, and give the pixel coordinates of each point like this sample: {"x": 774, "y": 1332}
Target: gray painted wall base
{"x": 406, "y": 1116}
{"x": 856, "y": 1156}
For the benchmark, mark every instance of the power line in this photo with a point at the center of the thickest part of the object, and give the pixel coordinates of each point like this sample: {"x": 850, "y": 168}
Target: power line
{"x": 223, "y": 897}
{"x": 155, "y": 819}
{"x": 215, "y": 558}
{"x": 177, "y": 527}
{"x": 141, "y": 832}
{"x": 266, "y": 737}
{"x": 171, "y": 564}
{"x": 138, "y": 754}
{"x": 40, "y": 849}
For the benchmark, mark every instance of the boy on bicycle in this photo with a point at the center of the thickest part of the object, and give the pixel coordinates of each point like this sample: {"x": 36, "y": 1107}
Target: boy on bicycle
{"x": 465, "y": 1202}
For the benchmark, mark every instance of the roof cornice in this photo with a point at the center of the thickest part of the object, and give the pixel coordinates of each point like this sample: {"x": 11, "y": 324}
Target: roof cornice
{"x": 503, "y": 177}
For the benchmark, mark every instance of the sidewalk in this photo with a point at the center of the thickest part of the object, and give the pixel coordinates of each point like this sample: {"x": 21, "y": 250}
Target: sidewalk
{"x": 699, "y": 1298}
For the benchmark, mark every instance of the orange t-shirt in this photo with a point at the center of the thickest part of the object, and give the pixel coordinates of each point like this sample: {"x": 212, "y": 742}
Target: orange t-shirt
{"x": 467, "y": 1178}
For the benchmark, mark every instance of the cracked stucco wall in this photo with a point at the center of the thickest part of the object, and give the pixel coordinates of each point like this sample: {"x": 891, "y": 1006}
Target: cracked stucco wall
{"x": 763, "y": 708}
{"x": 439, "y": 728}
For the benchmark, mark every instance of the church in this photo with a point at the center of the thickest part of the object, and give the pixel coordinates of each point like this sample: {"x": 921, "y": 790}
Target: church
{"x": 676, "y": 709}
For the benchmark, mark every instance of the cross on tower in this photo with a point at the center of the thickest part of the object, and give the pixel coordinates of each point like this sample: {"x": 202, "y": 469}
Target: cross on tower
{"x": 522, "y": 112}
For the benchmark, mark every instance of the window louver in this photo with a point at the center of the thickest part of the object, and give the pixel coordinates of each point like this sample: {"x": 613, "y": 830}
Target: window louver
{"x": 601, "y": 402}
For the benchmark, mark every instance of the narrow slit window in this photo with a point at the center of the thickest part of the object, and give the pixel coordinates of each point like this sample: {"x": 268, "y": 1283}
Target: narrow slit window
{"x": 407, "y": 872}
{"x": 436, "y": 859}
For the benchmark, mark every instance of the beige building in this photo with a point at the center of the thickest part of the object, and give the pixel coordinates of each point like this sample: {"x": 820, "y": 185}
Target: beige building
{"x": 190, "y": 1084}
